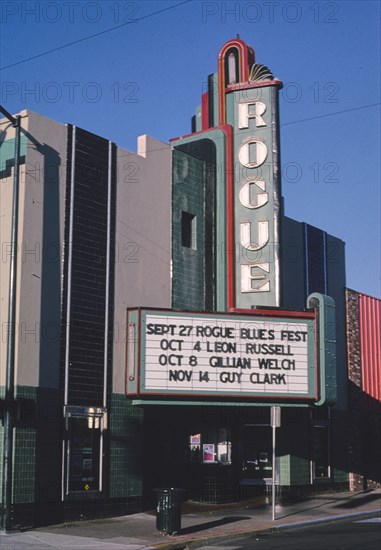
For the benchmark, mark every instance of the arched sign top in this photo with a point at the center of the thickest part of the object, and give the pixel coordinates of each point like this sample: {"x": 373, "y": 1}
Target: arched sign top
{"x": 234, "y": 61}
{"x": 245, "y": 57}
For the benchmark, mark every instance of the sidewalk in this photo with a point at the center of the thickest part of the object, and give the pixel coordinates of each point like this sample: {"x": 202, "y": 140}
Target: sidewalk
{"x": 200, "y": 524}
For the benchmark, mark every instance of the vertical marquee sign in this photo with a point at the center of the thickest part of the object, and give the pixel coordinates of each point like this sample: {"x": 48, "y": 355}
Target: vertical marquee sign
{"x": 249, "y": 98}
{"x": 242, "y": 104}
{"x": 256, "y": 198}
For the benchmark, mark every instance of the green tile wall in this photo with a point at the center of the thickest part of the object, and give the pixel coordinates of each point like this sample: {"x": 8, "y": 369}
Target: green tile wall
{"x": 300, "y": 470}
{"x": 37, "y": 461}
{"x": 284, "y": 470}
{"x": 126, "y": 440}
{"x": 24, "y": 465}
{"x": 193, "y": 271}
{"x": 340, "y": 476}
{"x": 24, "y": 445}
{"x": 294, "y": 470}
{"x": 2, "y": 393}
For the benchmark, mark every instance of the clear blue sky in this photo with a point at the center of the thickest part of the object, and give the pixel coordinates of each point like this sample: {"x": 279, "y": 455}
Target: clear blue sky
{"x": 146, "y": 68}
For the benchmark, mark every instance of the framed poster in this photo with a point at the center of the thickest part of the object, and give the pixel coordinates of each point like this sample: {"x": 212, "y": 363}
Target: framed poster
{"x": 208, "y": 452}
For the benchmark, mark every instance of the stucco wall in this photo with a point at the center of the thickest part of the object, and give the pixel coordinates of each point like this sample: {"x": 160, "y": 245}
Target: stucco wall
{"x": 42, "y": 182}
{"x": 143, "y": 238}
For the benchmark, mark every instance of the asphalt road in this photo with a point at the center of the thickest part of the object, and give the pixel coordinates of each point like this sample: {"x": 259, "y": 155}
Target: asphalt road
{"x": 349, "y": 534}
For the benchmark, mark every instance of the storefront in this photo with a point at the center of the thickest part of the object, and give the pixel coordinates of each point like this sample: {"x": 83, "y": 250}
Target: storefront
{"x": 221, "y": 454}
{"x": 206, "y": 384}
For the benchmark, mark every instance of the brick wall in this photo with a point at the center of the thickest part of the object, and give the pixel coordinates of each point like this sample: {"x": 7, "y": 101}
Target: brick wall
{"x": 364, "y": 412}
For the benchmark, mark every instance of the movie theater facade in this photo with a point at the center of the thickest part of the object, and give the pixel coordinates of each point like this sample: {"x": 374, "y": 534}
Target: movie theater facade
{"x": 165, "y": 305}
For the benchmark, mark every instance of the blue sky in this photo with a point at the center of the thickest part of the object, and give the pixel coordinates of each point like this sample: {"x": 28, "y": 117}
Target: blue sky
{"x": 146, "y": 67}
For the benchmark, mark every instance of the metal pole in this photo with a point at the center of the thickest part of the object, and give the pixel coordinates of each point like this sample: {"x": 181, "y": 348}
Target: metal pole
{"x": 273, "y": 480}
{"x": 10, "y": 373}
{"x": 275, "y": 423}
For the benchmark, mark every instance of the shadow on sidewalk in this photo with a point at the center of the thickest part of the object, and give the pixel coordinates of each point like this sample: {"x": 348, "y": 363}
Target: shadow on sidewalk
{"x": 211, "y": 524}
{"x": 346, "y": 503}
{"x": 359, "y": 501}
{"x": 301, "y": 511}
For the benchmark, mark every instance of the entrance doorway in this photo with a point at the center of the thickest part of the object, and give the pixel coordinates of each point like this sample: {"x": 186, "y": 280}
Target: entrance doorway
{"x": 257, "y": 455}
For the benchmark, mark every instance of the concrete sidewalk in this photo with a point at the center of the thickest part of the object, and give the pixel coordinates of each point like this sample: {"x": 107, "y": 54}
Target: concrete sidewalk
{"x": 201, "y": 524}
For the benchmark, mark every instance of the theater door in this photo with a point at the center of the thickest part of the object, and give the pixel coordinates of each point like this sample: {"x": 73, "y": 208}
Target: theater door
{"x": 256, "y": 457}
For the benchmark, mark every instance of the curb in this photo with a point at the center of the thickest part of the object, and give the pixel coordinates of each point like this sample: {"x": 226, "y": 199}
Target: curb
{"x": 193, "y": 543}
{"x": 325, "y": 519}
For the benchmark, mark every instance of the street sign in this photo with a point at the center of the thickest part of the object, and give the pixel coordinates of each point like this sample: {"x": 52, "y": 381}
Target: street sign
{"x": 275, "y": 423}
{"x": 275, "y": 417}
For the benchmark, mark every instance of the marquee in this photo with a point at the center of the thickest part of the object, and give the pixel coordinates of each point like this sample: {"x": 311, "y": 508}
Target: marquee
{"x": 257, "y": 356}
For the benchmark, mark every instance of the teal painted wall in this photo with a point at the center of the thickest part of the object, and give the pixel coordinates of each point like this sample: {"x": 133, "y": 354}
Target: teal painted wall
{"x": 7, "y": 151}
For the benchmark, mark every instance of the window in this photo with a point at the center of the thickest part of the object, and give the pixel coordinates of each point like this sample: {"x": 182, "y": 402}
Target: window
{"x": 194, "y": 446}
{"x": 232, "y": 66}
{"x": 188, "y": 230}
{"x": 211, "y": 447}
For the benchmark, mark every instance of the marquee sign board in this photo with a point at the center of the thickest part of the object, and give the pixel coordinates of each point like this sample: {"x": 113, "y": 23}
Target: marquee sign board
{"x": 222, "y": 355}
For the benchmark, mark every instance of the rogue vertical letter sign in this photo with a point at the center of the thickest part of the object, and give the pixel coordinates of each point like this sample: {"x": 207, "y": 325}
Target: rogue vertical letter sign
{"x": 242, "y": 104}
{"x": 251, "y": 103}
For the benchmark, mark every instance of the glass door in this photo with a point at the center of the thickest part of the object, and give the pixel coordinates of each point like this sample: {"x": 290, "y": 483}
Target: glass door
{"x": 257, "y": 453}
{"x": 83, "y": 450}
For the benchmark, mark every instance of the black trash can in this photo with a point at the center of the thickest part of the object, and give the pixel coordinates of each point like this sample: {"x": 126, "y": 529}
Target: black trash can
{"x": 168, "y": 509}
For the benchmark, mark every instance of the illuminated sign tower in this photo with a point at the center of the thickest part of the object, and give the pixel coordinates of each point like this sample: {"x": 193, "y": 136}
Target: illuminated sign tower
{"x": 239, "y": 114}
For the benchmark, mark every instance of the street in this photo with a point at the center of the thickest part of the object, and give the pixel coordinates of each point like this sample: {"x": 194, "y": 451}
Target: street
{"x": 349, "y": 534}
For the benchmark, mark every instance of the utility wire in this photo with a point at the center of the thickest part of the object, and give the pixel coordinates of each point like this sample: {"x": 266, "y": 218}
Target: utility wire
{"x": 100, "y": 33}
{"x": 281, "y": 124}
{"x": 166, "y": 145}
{"x": 330, "y": 114}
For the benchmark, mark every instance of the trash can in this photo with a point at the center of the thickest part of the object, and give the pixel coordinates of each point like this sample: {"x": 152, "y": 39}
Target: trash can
{"x": 168, "y": 509}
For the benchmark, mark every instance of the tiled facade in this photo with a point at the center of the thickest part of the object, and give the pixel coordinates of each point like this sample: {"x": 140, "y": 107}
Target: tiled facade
{"x": 193, "y": 265}
{"x": 126, "y": 449}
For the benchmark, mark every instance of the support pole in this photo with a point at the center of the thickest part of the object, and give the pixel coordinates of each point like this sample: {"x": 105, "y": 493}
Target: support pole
{"x": 275, "y": 423}
{"x": 273, "y": 479}
{"x": 11, "y": 337}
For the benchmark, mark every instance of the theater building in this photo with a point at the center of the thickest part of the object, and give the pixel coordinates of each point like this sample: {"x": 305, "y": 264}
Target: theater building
{"x": 164, "y": 304}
